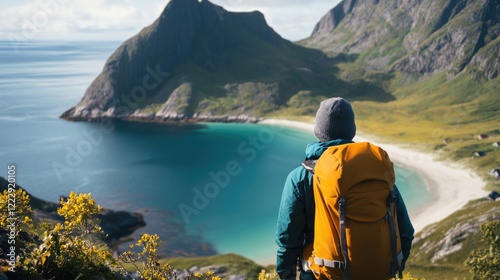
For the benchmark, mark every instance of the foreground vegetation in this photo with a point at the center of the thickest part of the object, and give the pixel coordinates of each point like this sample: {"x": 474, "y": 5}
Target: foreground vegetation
{"x": 75, "y": 250}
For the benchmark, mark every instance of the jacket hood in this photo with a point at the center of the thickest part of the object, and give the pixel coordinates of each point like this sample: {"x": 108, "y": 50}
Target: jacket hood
{"x": 315, "y": 149}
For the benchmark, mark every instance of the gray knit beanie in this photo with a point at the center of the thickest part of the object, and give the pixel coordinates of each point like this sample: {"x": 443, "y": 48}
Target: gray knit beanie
{"x": 335, "y": 120}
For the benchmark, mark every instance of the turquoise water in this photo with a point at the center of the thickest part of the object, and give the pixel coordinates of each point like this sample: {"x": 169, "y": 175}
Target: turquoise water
{"x": 205, "y": 188}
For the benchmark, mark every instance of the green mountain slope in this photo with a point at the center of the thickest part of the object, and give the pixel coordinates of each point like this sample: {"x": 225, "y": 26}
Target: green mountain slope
{"x": 440, "y": 251}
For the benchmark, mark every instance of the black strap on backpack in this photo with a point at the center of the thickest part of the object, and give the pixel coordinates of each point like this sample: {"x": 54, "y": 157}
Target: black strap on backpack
{"x": 395, "y": 267}
{"x": 343, "y": 239}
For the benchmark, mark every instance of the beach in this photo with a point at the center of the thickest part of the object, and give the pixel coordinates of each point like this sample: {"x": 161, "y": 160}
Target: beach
{"x": 451, "y": 185}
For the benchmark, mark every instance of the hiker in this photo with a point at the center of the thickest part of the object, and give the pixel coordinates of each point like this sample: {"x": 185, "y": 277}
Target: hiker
{"x": 295, "y": 233}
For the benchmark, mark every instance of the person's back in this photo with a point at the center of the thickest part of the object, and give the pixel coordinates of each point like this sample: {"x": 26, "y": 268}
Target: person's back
{"x": 352, "y": 188}
{"x": 368, "y": 244}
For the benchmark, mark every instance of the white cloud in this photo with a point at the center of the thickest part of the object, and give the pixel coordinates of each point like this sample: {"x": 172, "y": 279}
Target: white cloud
{"x": 57, "y": 19}
{"x": 120, "y": 19}
{"x": 98, "y": 15}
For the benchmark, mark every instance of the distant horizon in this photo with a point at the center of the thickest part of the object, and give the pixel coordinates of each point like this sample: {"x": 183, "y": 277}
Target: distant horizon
{"x": 117, "y": 21}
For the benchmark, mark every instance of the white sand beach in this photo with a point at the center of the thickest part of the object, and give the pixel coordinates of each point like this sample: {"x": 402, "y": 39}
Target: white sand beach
{"x": 452, "y": 186}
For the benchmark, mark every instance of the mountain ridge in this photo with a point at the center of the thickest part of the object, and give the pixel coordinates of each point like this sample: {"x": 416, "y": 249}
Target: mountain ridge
{"x": 199, "y": 61}
{"x": 415, "y": 37}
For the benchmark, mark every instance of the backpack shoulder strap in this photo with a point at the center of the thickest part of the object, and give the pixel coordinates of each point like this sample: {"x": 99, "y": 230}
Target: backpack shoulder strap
{"x": 343, "y": 239}
{"x": 395, "y": 266}
{"x": 309, "y": 165}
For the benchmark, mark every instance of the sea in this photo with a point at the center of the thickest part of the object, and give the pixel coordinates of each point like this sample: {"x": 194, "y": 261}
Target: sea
{"x": 205, "y": 188}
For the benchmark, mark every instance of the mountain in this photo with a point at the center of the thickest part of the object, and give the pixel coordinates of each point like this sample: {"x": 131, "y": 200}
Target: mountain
{"x": 437, "y": 59}
{"x": 418, "y": 37}
{"x": 199, "y": 61}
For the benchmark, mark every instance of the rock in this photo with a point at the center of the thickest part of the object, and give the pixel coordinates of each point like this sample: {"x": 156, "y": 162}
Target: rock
{"x": 180, "y": 274}
{"x": 237, "y": 277}
{"x": 453, "y": 240}
{"x": 178, "y": 104}
{"x": 331, "y": 20}
{"x": 435, "y": 36}
{"x": 117, "y": 225}
{"x": 494, "y": 195}
{"x": 218, "y": 270}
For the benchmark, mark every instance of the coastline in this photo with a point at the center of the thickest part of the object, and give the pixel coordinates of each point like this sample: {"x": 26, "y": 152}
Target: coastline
{"x": 452, "y": 186}
{"x": 117, "y": 225}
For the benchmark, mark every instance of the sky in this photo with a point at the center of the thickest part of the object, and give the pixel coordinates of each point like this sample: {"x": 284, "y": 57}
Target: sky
{"x": 118, "y": 20}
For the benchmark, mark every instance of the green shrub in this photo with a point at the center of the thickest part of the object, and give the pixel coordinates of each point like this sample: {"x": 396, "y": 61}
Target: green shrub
{"x": 69, "y": 251}
{"x": 485, "y": 263}
{"x": 74, "y": 249}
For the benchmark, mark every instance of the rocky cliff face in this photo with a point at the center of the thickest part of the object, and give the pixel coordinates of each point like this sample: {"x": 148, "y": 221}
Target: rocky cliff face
{"x": 449, "y": 243}
{"x": 331, "y": 20}
{"x": 421, "y": 37}
{"x": 174, "y": 68}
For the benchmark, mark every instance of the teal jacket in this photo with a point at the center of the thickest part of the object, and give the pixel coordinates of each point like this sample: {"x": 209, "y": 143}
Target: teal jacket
{"x": 295, "y": 226}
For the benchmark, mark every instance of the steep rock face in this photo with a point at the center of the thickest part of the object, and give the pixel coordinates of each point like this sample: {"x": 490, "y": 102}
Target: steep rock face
{"x": 177, "y": 105}
{"x": 125, "y": 72}
{"x": 462, "y": 30}
{"x": 332, "y": 19}
{"x": 423, "y": 37}
{"x": 363, "y": 24}
{"x": 486, "y": 61}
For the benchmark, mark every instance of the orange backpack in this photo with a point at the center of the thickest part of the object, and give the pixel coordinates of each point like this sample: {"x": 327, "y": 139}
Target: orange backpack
{"x": 356, "y": 233}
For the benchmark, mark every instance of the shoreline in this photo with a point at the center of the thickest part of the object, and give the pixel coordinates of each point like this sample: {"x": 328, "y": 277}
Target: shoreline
{"x": 451, "y": 186}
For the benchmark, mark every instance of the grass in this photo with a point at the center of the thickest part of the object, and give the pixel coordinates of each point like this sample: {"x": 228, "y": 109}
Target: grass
{"x": 237, "y": 265}
{"x": 461, "y": 227}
